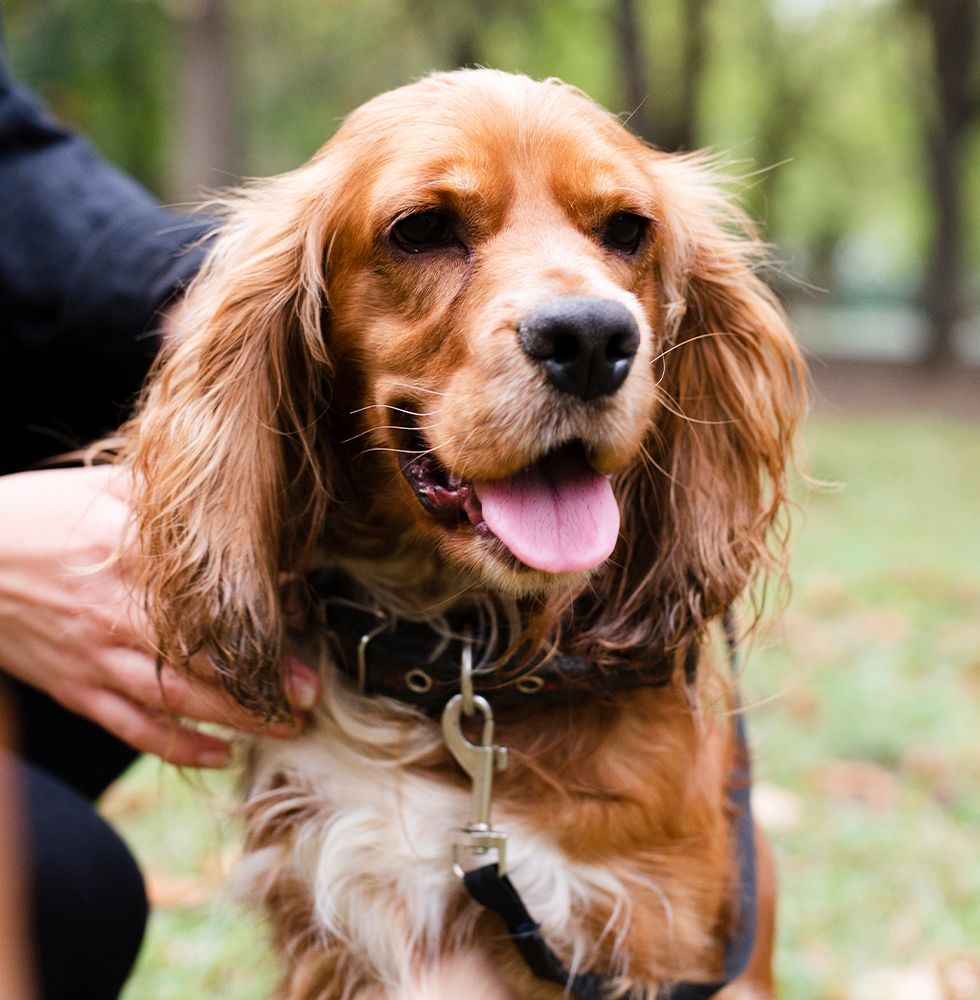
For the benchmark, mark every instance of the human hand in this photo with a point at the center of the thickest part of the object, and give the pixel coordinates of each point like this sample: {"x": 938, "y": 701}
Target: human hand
{"x": 71, "y": 626}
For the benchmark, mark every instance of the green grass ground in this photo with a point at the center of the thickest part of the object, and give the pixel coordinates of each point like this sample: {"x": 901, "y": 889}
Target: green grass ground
{"x": 866, "y": 726}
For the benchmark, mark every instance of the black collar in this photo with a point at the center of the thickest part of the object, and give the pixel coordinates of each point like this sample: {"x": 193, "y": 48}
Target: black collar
{"x": 411, "y": 662}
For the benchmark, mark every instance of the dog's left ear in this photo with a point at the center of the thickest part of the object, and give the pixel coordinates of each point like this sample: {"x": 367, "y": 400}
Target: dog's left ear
{"x": 230, "y": 448}
{"x": 704, "y": 515}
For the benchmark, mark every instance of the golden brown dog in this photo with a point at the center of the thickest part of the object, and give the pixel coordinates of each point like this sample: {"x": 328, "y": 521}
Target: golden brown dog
{"x": 488, "y": 364}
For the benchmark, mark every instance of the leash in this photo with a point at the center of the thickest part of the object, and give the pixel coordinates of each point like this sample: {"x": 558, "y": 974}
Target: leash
{"x": 493, "y": 890}
{"x": 489, "y": 885}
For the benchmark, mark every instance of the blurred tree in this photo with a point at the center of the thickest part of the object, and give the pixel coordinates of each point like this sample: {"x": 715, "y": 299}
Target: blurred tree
{"x": 693, "y": 54}
{"x": 462, "y": 31}
{"x": 822, "y": 89}
{"x": 780, "y": 101}
{"x": 207, "y": 153}
{"x": 105, "y": 67}
{"x": 636, "y": 74}
{"x": 951, "y": 110}
{"x": 665, "y": 114}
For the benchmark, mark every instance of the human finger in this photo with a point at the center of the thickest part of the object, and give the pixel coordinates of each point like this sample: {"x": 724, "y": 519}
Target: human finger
{"x": 190, "y": 697}
{"x": 303, "y": 685}
{"x": 110, "y": 478}
{"x": 155, "y": 733}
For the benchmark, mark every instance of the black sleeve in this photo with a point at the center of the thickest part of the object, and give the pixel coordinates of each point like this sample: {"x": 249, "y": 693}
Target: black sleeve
{"x": 87, "y": 258}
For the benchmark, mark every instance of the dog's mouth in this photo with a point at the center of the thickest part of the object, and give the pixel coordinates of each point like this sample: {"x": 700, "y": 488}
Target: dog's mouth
{"x": 557, "y": 515}
{"x": 445, "y": 496}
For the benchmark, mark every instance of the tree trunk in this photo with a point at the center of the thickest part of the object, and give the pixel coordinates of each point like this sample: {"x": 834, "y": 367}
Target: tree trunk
{"x": 670, "y": 127}
{"x": 208, "y": 148}
{"x": 636, "y": 81}
{"x": 954, "y": 26}
{"x": 692, "y": 72}
{"x": 942, "y": 291}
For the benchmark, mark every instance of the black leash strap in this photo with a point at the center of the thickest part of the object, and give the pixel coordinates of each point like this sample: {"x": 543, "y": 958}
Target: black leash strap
{"x": 497, "y": 893}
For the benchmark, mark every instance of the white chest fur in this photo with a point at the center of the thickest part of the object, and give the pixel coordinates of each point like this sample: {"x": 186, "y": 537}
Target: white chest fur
{"x": 370, "y": 841}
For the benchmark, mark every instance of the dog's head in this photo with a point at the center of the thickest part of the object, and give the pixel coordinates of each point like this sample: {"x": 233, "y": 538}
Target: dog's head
{"x": 485, "y": 331}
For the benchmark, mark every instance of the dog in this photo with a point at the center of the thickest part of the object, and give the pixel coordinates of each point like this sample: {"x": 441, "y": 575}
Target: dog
{"x": 495, "y": 387}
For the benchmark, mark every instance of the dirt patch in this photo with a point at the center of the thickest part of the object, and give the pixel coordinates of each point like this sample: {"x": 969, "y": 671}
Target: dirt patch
{"x": 849, "y": 386}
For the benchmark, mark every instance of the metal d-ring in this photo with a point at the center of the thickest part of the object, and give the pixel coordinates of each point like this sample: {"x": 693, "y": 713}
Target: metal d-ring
{"x": 531, "y": 684}
{"x": 362, "y": 655}
{"x": 418, "y": 681}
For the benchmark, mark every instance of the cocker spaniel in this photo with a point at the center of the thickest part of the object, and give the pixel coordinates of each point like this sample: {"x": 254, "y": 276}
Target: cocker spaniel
{"x": 497, "y": 383}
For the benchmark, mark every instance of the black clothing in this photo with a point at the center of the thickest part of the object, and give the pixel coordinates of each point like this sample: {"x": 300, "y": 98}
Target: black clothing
{"x": 87, "y": 258}
{"x": 89, "y": 904}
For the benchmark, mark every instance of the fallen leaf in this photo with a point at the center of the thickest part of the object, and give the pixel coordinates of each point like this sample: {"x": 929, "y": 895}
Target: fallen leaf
{"x": 776, "y": 809}
{"x": 936, "y": 768}
{"x": 961, "y": 976}
{"x": 916, "y": 982}
{"x": 859, "y": 781}
{"x": 174, "y": 892}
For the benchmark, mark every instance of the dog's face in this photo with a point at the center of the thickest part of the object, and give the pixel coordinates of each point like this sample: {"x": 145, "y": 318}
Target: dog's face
{"x": 495, "y": 291}
{"x": 487, "y": 328}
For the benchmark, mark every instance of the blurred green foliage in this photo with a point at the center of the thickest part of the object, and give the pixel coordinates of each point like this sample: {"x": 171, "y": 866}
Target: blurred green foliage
{"x": 820, "y": 104}
{"x": 108, "y": 69}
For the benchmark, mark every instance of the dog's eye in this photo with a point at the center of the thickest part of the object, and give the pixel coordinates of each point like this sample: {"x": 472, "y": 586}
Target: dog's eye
{"x": 624, "y": 231}
{"x": 423, "y": 231}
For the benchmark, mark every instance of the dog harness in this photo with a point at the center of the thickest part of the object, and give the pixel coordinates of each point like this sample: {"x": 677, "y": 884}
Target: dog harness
{"x": 410, "y": 663}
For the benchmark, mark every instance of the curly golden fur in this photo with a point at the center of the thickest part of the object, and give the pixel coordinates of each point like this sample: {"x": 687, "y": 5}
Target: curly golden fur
{"x": 268, "y": 441}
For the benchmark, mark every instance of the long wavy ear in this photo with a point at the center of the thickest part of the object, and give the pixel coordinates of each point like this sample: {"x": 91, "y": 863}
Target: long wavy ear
{"x": 230, "y": 452}
{"x": 702, "y": 514}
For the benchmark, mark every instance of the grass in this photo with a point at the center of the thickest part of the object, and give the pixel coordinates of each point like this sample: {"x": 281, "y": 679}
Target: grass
{"x": 866, "y": 729}
{"x": 874, "y": 676}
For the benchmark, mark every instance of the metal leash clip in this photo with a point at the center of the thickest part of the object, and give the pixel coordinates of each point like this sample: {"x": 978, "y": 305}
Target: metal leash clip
{"x": 480, "y": 761}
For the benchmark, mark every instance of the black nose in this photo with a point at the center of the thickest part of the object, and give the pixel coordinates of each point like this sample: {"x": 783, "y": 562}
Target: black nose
{"x": 586, "y": 346}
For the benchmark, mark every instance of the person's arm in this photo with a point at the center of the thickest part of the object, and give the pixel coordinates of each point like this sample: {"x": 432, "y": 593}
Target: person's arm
{"x": 88, "y": 260}
{"x": 86, "y": 254}
{"x": 70, "y": 625}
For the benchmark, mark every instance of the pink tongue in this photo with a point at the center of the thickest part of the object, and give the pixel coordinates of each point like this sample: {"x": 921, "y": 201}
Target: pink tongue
{"x": 559, "y": 516}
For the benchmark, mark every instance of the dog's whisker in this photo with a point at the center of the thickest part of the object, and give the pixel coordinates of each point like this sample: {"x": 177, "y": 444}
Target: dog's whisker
{"x": 464, "y": 443}
{"x": 405, "y": 451}
{"x": 685, "y": 343}
{"x": 418, "y": 388}
{"x": 397, "y": 451}
{"x": 677, "y": 412}
{"x": 397, "y": 409}
{"x": 648, "y": 461}
{"x": 370, "y": 430}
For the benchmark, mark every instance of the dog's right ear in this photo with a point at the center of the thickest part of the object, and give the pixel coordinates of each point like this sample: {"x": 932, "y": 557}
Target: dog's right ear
{"x": 229, "y": 448}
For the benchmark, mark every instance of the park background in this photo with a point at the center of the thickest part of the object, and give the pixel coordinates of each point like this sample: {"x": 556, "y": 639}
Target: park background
{"x": 851, "y": 130}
